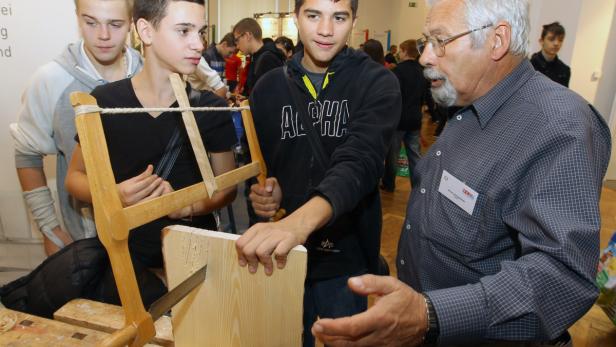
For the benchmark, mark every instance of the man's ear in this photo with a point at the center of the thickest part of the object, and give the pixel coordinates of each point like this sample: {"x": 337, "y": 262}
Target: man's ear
{"x": 145, "y": 31}
{"x": 501, "y": 40}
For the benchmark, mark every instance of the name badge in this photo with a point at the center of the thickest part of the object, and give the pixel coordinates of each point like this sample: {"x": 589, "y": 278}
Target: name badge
{"x": 458, "y": 192}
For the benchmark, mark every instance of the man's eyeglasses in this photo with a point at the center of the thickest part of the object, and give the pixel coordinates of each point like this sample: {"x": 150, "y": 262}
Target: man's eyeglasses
{"x": 237, "y": 38}
{"x": 439, "y": 44}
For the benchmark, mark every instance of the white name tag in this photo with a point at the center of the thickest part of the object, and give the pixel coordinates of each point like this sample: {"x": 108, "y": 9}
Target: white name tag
{"x": 458, "y": 192}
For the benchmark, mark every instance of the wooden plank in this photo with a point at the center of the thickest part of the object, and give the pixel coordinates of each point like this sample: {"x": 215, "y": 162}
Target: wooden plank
{"x": 179, "y": 88}
{"x": 232, "y": 307}
{"x": 20, "y": 329}
{"x": 108, "y": 318}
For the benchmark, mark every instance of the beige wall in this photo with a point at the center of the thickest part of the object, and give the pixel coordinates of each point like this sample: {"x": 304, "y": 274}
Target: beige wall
{"x": 379, "y": 16}
{"x": 409, "y": 20}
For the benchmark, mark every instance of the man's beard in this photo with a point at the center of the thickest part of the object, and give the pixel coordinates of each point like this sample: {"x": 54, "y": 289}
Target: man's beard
{"x": 446, "y": 94}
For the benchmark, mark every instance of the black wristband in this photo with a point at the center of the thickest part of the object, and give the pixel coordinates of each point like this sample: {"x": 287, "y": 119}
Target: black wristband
{"x": 433, "y": 329}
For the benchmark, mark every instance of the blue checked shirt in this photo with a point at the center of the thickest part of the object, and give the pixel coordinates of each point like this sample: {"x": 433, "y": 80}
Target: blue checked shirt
{"x": 522, "y": 266}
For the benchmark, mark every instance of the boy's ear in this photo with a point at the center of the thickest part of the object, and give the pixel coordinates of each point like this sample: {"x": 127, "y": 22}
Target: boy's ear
{"x": 145, "y": 31}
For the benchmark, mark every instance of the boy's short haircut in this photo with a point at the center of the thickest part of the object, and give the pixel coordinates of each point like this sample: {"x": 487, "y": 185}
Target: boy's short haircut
{"x": 154, "y": 10}
{"x": 374, "y": 49}
{"x": 229, "y": 39}
{"x": 354, "y": 5}
{"x": 129, "y": 6}
{"x": 248, "y": 25}
{"x": 286, "y": 42}
{"x": 555, "y": 28}
{"x": 410, "y": 48}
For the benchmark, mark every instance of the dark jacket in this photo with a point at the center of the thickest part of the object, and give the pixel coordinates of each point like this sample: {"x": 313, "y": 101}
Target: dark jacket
{"x": 355, "y": 114}
{"x": 262, "y": 61}
{"x": 556, "y": 70}
{"x": 414, "y": 88}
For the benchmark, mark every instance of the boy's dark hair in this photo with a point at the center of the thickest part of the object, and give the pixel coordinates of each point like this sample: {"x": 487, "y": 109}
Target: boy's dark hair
{"x": 228, "y": 39}
{"x": 248, "y": 25}
{"x": 154, "y": 10}
{"x": 354, "y": 5}
{"x": 286, "y": 42}
{"x": 410, "y": 48}
{"x": 554, "y": 28}
{"x": 374, "y": 49}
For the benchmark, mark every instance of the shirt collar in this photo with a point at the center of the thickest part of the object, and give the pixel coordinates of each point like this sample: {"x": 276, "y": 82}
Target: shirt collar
{"x": 486, "y": 106}
{"x": 91, "y": 70}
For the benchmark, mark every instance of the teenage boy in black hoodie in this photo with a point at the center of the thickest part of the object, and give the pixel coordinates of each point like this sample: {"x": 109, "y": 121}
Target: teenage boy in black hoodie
{"x": 354, "y": 104}
{"x": 263, "y": 56}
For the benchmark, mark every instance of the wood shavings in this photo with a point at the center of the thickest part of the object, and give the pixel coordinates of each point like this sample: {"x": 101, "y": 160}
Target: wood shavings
{"x": 7, "y": 322}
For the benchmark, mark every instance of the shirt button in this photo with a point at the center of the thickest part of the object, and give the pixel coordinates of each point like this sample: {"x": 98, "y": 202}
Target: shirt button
{"x": 401, "y": 261}
{"x": 438, "y": 153}
{"x": 408, "y": 227}
{"x": 459, "y": 117}
{"x": 423, "y": 191}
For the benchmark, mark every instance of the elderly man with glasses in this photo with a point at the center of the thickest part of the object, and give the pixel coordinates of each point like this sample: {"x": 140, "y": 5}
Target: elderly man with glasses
{"x": 500, "y": 243}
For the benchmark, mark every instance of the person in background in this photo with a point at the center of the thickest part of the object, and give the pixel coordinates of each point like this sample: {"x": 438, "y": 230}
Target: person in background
{"x": 546, "y": 61}
{"x": 414, "y": 89}
{"x": 499, "y": 246}
{"x": 263, "y": 57}
{"x": 233, "y": 64}
{"x": 46, "y": 124}
{"x": 216, "y": 54}
{"x": 391, "y": 57}
{"x": 206, "y": 78}
{"x": 285, "y": 44}
{"x": 374, "y": 49}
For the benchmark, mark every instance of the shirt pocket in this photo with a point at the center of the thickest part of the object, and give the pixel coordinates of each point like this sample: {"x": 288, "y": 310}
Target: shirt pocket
{"x": 462, "y": 235}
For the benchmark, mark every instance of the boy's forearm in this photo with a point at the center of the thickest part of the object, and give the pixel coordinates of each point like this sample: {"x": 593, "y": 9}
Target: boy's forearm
{"x": 311, "y": 216}
{"x": 77, "y": 185}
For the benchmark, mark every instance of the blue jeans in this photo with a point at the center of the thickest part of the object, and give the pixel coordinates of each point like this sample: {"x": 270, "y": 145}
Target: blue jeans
{"x": 411, "y": 145}
{"x": 330, "y": 298}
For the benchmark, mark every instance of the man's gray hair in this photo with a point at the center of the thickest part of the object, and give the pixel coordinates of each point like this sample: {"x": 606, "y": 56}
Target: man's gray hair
{"x": 514, "y": 12}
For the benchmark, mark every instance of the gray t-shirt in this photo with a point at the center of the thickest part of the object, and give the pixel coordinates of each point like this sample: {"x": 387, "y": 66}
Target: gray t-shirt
{"x": 316, "y": 79}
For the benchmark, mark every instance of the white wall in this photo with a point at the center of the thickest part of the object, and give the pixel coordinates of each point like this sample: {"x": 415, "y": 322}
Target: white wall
{"x": 548, "y": 11}
{"x": 590, "y": 44}
{"x": 607, "y": 84}
{"x": 37, "y": 32}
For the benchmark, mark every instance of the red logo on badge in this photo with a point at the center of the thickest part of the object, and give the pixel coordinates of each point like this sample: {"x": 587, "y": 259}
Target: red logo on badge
{"x": 467, "y": 193}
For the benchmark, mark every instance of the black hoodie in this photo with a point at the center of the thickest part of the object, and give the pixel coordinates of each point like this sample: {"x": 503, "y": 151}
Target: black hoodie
{"x": 355, "y": 113}
{"x": 268, "y": 57}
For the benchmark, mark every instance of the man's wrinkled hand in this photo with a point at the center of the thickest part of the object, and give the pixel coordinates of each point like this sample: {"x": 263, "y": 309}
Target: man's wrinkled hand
{"x": 398, "y": 317}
